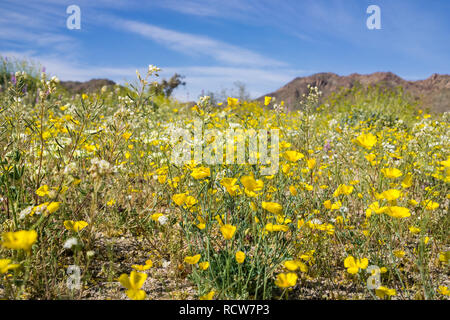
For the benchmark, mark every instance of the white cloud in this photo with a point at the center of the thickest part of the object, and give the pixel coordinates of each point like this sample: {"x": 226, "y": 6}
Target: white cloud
{"x": 188, "y": 43}
{"x": 258, "y": 81}
{"x": 28, "y": 34}
{"x": 34, "y": 26}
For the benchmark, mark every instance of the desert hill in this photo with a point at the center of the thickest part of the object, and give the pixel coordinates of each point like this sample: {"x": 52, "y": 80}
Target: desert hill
{"x": 433, "y": 93}
{"x": 86, "y": 86}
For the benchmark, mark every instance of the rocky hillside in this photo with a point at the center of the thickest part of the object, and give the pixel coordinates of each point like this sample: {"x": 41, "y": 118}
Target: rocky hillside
{"x": 433, "y": 93}
{"x": 87, "y": 86}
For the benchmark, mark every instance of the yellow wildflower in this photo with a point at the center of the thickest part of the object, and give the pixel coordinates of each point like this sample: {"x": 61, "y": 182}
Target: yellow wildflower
{"x": 228, "y": 231}
{"x": 286, "y": 280}
{"x": 133, "y": 283}
{"x": 75, "y": 225}
{"x": 353, "y": 265}
{"x": 240, "y": 257}
{"x": 19, "y": 240}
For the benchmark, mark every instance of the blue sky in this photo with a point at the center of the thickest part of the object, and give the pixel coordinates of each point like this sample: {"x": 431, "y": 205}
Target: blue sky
{"x": 261, "y": 43}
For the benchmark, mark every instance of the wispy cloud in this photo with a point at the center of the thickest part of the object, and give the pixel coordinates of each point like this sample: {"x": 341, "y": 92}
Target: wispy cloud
{"x": 228, "y": 62}
{"x": 32, "y": 26}
{"x": 189, "y": 43}
{"x": 211, "y": 8}
{"x": 316, "y": 35}
{"x": 199, "y": 79}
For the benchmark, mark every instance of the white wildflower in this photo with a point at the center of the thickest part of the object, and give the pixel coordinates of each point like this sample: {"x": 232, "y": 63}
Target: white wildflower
{"x": 163, "y": 220}
{"x": 70, "y": 243}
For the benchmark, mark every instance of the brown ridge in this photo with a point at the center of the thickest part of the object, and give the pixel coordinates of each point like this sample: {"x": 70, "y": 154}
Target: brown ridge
{"x": 432, "y": 93}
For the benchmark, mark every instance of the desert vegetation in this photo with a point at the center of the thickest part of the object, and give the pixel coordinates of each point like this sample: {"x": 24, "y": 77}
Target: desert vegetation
{"x": 92, "y": 207}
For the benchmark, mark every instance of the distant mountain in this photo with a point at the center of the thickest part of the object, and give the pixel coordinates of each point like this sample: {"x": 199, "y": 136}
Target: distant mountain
{"x": 433, "y": 92}
{"x": 87, "y": 86}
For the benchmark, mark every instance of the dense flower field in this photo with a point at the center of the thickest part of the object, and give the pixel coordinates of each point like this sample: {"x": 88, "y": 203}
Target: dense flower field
{"x": 92, "y": 205}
